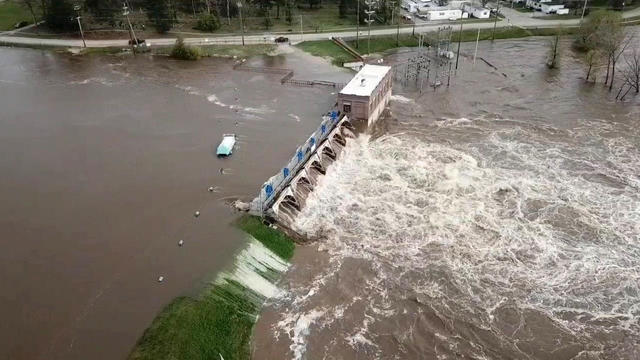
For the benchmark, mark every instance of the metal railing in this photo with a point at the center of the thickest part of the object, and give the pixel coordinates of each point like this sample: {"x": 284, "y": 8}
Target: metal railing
{"x": 270, "y": 189}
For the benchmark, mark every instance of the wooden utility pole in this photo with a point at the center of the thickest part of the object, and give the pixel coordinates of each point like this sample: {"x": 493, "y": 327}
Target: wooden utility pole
{"x": 476, "y": 51}
{"x": 241, "y": 22}
{"x": 228, "y": 14}
{"x": 459, "y": 40}
{"x": 77, "y": 9}
{"x": 301, "y": 30}
{"x": 358, "y": 24}
{"x": 495, "y": 22}
{"x": 132, "y": 34}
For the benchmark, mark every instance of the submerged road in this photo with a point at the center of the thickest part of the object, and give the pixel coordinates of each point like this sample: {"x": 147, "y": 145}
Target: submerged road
{"x": 512, "y": 18}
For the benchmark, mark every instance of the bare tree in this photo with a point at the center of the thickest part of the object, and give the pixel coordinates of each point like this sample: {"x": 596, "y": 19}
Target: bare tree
{"x": 615, "y": 50}
{"x": 552, "y": 60}
{"x": 630, "y": 75}
{"x": 592, "y": 59}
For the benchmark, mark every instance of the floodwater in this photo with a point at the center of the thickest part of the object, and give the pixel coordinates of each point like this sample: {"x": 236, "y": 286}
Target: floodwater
{"x": 103, "y": 162}
{"x": 495, "y": 219}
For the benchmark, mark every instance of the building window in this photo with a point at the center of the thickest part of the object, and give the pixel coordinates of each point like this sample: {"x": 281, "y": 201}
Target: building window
{"x": 346, "y": 108}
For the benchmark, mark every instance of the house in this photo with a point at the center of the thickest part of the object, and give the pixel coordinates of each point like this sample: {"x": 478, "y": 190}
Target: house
{"x": 410, "y": 6}
{"x": 551, "y": 7}
{"x": 441, "y": 14}
{"x": 536, "y": 4}
{"x": 366, "y": 96}
{"x": 476, "y": 12}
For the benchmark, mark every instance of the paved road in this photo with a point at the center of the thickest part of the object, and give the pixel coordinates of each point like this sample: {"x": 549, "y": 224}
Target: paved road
{"x": 515, "y": 18}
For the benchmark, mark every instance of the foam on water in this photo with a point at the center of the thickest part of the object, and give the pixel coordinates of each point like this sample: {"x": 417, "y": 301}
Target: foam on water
{"x": 250, "y": 268}
{"x": 533, "y": 218}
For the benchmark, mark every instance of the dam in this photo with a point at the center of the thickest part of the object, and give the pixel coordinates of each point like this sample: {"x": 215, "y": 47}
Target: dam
{"x": 359, "y": 105}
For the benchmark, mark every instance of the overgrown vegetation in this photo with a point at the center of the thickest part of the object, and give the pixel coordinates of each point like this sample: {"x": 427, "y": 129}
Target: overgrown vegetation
{"x": 273, "y": 239}
{"x": 208, "y": 22}
{"x": 218, "y": 323}
{"x": 182, "y": 51}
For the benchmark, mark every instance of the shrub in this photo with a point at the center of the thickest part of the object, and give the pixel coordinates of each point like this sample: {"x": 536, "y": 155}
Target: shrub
{"x": 61, "y": 16}
{"x": 183, "y": 51}
{"x": 208, "y": 23}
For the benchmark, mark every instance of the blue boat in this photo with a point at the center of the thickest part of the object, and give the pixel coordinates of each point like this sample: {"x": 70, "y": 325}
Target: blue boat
{"x": 226, "y": 146}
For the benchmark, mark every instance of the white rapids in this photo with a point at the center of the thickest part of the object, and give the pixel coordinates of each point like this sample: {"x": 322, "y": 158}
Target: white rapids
{"x": 522, "y": 227}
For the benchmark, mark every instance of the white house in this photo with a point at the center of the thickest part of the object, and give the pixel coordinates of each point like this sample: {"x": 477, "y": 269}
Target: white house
{"x": 441, "y": 14}
{"x": 476, "y": 12}
{"x": 410, "y": 6}
{"x": 536, "y": 4}
{"x": 551, "y": 7}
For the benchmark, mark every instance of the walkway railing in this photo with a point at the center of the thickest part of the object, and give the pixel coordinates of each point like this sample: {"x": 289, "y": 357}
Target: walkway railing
{"x": 277, "y": 183}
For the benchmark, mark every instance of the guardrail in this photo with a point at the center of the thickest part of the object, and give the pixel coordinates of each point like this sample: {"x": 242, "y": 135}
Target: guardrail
{"x": 277, "y": 183}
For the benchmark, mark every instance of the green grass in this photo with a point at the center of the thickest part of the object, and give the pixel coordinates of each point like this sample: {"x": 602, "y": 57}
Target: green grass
{"x": 328, "y": 49}
{"x": 379, "y": 44}
{"x": 217, "y": 322}
{"x": 11, "y": 13}
{"x": 225, "y": 50}
{"x": 273, "y": 239}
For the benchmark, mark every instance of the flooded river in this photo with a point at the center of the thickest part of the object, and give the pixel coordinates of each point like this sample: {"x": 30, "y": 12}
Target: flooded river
{"x": 495, "y": 219}
{"x": 103, "y": 161}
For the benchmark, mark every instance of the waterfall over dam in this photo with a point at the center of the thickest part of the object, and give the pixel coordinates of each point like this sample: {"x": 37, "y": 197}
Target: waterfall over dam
{"x": 361, "y": 102}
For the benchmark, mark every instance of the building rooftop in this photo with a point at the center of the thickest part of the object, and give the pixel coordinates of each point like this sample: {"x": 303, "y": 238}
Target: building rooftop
{"x": 366, "y": 80}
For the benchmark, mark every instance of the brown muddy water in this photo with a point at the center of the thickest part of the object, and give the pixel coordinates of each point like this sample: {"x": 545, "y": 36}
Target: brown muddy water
{"x": 103, "y": 161}
{"x": 495, "y": 219}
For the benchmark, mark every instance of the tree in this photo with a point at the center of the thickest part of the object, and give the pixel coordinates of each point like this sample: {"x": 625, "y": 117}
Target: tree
{"x": 591, "y": 59}
{"x": 30, "y": 4}
{"x": 159, "y": 14}
{"x": 631, "y": 75}
{"x": 104, "y": 10}
{"x": 208, "y": 22}
{"x": 552, "y": 60}
{"x": 288, "y": 13}
{"x": 61, "y": 16}
{"x": 484, "y": 3}
{"x": 312, "y": 3}
{"x": 342, "y": 9}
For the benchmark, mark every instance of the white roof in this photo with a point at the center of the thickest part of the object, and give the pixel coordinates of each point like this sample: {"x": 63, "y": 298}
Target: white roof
{"x": 366, "y": 80}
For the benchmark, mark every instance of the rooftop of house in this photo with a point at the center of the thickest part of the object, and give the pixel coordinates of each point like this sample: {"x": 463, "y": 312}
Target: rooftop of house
{"x": 366, "y": 80}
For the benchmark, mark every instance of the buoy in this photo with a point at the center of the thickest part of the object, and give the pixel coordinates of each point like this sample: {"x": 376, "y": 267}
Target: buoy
{"x": 210, "y": 188}
{"x": 180, "y": 243}
{"x": 197, "y": 213}
{"x": 161, "y": 278}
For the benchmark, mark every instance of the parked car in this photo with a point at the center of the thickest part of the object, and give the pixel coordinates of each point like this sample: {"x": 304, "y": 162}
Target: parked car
{"x": 282, "y": 39}
{"x": 133, "y": 42}
{"x": 407, "y": 17}
{"x": 21, "y": 24}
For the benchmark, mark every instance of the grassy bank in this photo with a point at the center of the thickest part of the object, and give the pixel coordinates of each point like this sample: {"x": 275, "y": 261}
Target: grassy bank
{"x": 379, "y": 44}
{"x": 326, "y": 48}
{"x": 225, "y": 50}
{"x": 219, "y": 321}
{"x": 11, "y": 12}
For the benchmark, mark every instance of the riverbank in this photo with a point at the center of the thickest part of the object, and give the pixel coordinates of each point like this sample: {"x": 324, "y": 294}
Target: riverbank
{"x": 328, "y": 49}
{"x": 218, "y": 322}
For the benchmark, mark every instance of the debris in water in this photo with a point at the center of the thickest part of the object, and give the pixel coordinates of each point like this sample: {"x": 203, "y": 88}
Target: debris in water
{"x": 210, "y": 188}
{"x": 161, "y": 279}
{"x": 181, "y": 242}
{"x": 196, "y": 214}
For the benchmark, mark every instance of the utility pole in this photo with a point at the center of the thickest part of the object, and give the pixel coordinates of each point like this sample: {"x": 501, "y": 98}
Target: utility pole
{"x": 358, "y": 24}
{"x": 476, "y": 51}
{"x": 369, "y": 21}
{"x": 132, "y": 34}
{"x": 584, "y": 7}
{"x": 393, "y": 10}
{"x": 301, "y": 30}
{"x": 77, "y": 9}
{"x": 398, "y": 32}
{"x": 459, "y": 40}
{"x": 241, "y": 22}
{"x": 495, "y": 22}
{"x": 228, "y": 15}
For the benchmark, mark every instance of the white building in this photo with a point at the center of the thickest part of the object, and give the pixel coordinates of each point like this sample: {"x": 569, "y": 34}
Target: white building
{"x": 551, "y": 7}
{"x": 410, "y": 6}
{"x": 442, "y": 14}
{"x": 536, "y": 4}
{"x": 476, "y": 12}
{"x": 366, "y": 96}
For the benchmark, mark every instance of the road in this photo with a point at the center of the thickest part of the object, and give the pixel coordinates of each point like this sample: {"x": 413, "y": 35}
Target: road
{"x": 512, "y": 18}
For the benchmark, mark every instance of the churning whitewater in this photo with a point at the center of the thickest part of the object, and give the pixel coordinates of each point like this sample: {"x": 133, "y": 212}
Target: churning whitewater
{"x": 524, "y": 225}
